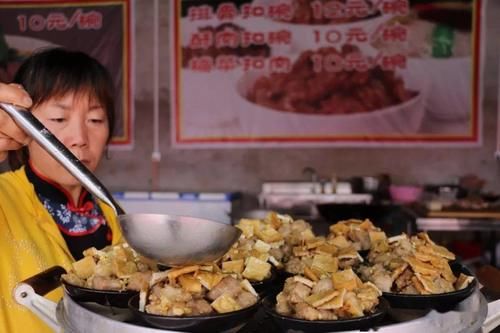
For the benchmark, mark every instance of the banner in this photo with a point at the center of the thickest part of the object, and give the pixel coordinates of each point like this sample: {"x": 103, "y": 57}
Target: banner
{"x": 255, "y": 73}
{"x": 101, "y": 29}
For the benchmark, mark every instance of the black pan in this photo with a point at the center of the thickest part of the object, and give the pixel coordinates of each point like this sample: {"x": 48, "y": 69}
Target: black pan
{"x": 50, "y": 279}
{"x": 114, "y": 298}
{"x": 289, "y": 323}
{"x": 206, "y": 323}
{"x": 441, "y": 302}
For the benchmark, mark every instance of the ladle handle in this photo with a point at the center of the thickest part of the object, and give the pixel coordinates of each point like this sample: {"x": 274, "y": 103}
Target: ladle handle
{"x": 33, "y": 127}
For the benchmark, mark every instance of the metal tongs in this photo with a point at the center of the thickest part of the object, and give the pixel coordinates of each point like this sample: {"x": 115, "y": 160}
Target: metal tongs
{"x": 169, "y": 239}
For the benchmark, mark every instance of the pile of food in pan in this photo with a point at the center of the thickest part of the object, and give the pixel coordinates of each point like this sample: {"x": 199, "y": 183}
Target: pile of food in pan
{"x": 348, "y": 277}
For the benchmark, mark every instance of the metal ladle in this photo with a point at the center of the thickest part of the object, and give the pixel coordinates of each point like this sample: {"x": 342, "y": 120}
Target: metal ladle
{"x": 172, "y": 240}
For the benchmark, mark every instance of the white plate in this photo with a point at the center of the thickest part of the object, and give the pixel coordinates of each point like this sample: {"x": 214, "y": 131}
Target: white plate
{"x": 213, "y": 106}
{"x": 450, "y": 92}
{"x": 27, "y": 44}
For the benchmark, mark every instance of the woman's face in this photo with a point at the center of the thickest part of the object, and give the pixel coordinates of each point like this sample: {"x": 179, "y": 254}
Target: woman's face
{"x": 81, "y": 124}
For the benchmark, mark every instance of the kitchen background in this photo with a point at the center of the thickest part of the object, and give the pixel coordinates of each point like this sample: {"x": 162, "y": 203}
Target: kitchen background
{"x": 244, "y": 170}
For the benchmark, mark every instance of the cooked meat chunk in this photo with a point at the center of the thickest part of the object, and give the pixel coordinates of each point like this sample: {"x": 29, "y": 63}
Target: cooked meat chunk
{"x": 228, "y": 285}
{"x": 282, "y": 306}
{"x": 199, "y": 307}
{"x": 139, "y": 281}
{"x": 322, "y": 285}
{"x": 295, "y": 266}
{"x": 299, "y": 292}
{"x": 102, "y": 283}
{"x": 404, "y": 279}
{"x": 307, "y": 312}
{"x": 246, "y": 299}
{"x": 173, "y": 294}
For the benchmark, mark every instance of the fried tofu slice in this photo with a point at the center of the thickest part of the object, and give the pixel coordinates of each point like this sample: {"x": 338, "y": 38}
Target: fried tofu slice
{"x": 304, "y": 281}
{"x": 268, "y": 234}
{"x": 261, "y": 246}
{"x": 434, "y": 285}
{"x": 84, "y": 268}
{"x": 336, "y": 302}
{"x": 463, "y": 281}
{"x": 421, "y": 267}
{"x": 234, "y": 266}
{"x": 376, "y": 236}
{"x": 398, "y": 271}
{"x": 352, "y": 305}
{"x": 248, "y": 226}
{"x": 321, "y": 298}
{"x": 190, "y": 284}
{"x": 225, "y": 303}
{"x": 341, "y": 242}
{"x": 176, "y": 272}
{"x": 209, "y": 279}
{"x": 256, "y": 269}
{"x": 325, "y": 263}
{"x": 310, "y": 274}
{"x": 346, "y": 279}
{"x": 339, "y": 228}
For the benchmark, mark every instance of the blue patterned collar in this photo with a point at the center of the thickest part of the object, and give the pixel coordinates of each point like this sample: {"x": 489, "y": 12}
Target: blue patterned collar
{"x": 73, "y": 220}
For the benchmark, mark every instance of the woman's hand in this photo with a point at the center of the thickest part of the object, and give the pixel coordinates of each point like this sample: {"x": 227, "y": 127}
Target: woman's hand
{"x": 11, "y": 136}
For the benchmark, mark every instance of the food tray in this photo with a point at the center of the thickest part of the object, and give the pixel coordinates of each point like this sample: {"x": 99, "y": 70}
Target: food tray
{"x": 467, "y": 316}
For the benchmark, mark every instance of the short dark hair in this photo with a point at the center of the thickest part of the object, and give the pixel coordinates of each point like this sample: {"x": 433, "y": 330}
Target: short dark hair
{"x": 56, "y": 72}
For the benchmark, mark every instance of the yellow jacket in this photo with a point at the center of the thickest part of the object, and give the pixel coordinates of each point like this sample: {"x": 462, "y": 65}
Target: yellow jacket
{"x": 30, "y": 242}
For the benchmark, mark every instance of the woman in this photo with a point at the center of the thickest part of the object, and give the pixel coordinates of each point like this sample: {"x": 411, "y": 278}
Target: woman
{"x": 46, "y": 217}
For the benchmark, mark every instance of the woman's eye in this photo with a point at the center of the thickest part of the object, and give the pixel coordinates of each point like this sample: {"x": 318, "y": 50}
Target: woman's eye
{"x": 97, "y": 121}
{"x": 57, "y": 120}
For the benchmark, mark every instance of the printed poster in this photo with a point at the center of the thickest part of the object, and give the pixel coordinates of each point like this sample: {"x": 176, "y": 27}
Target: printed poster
{"x": 257, "y": 73}
{"x": 101, "y": 29}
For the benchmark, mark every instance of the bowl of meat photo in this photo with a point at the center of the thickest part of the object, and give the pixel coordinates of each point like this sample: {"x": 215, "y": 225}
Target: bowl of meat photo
{"x": 308, "y": 101}
{"x": 322, "y": 23}
{"x": 13, "y": 50}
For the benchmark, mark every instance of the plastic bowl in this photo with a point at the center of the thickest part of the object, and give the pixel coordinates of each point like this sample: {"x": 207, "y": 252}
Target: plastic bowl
{"x": 405, "y": 193}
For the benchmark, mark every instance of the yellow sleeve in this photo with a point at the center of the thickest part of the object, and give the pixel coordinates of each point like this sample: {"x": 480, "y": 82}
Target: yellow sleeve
{"x": 113, "y": 223}
{"x": 15, "y": 318}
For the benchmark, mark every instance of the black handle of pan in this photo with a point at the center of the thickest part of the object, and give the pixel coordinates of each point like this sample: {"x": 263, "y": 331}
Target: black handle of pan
{"x": 46, "y": 281}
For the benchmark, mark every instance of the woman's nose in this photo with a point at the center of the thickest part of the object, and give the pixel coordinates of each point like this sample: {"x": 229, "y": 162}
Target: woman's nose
{"x": 78, "y": 135}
